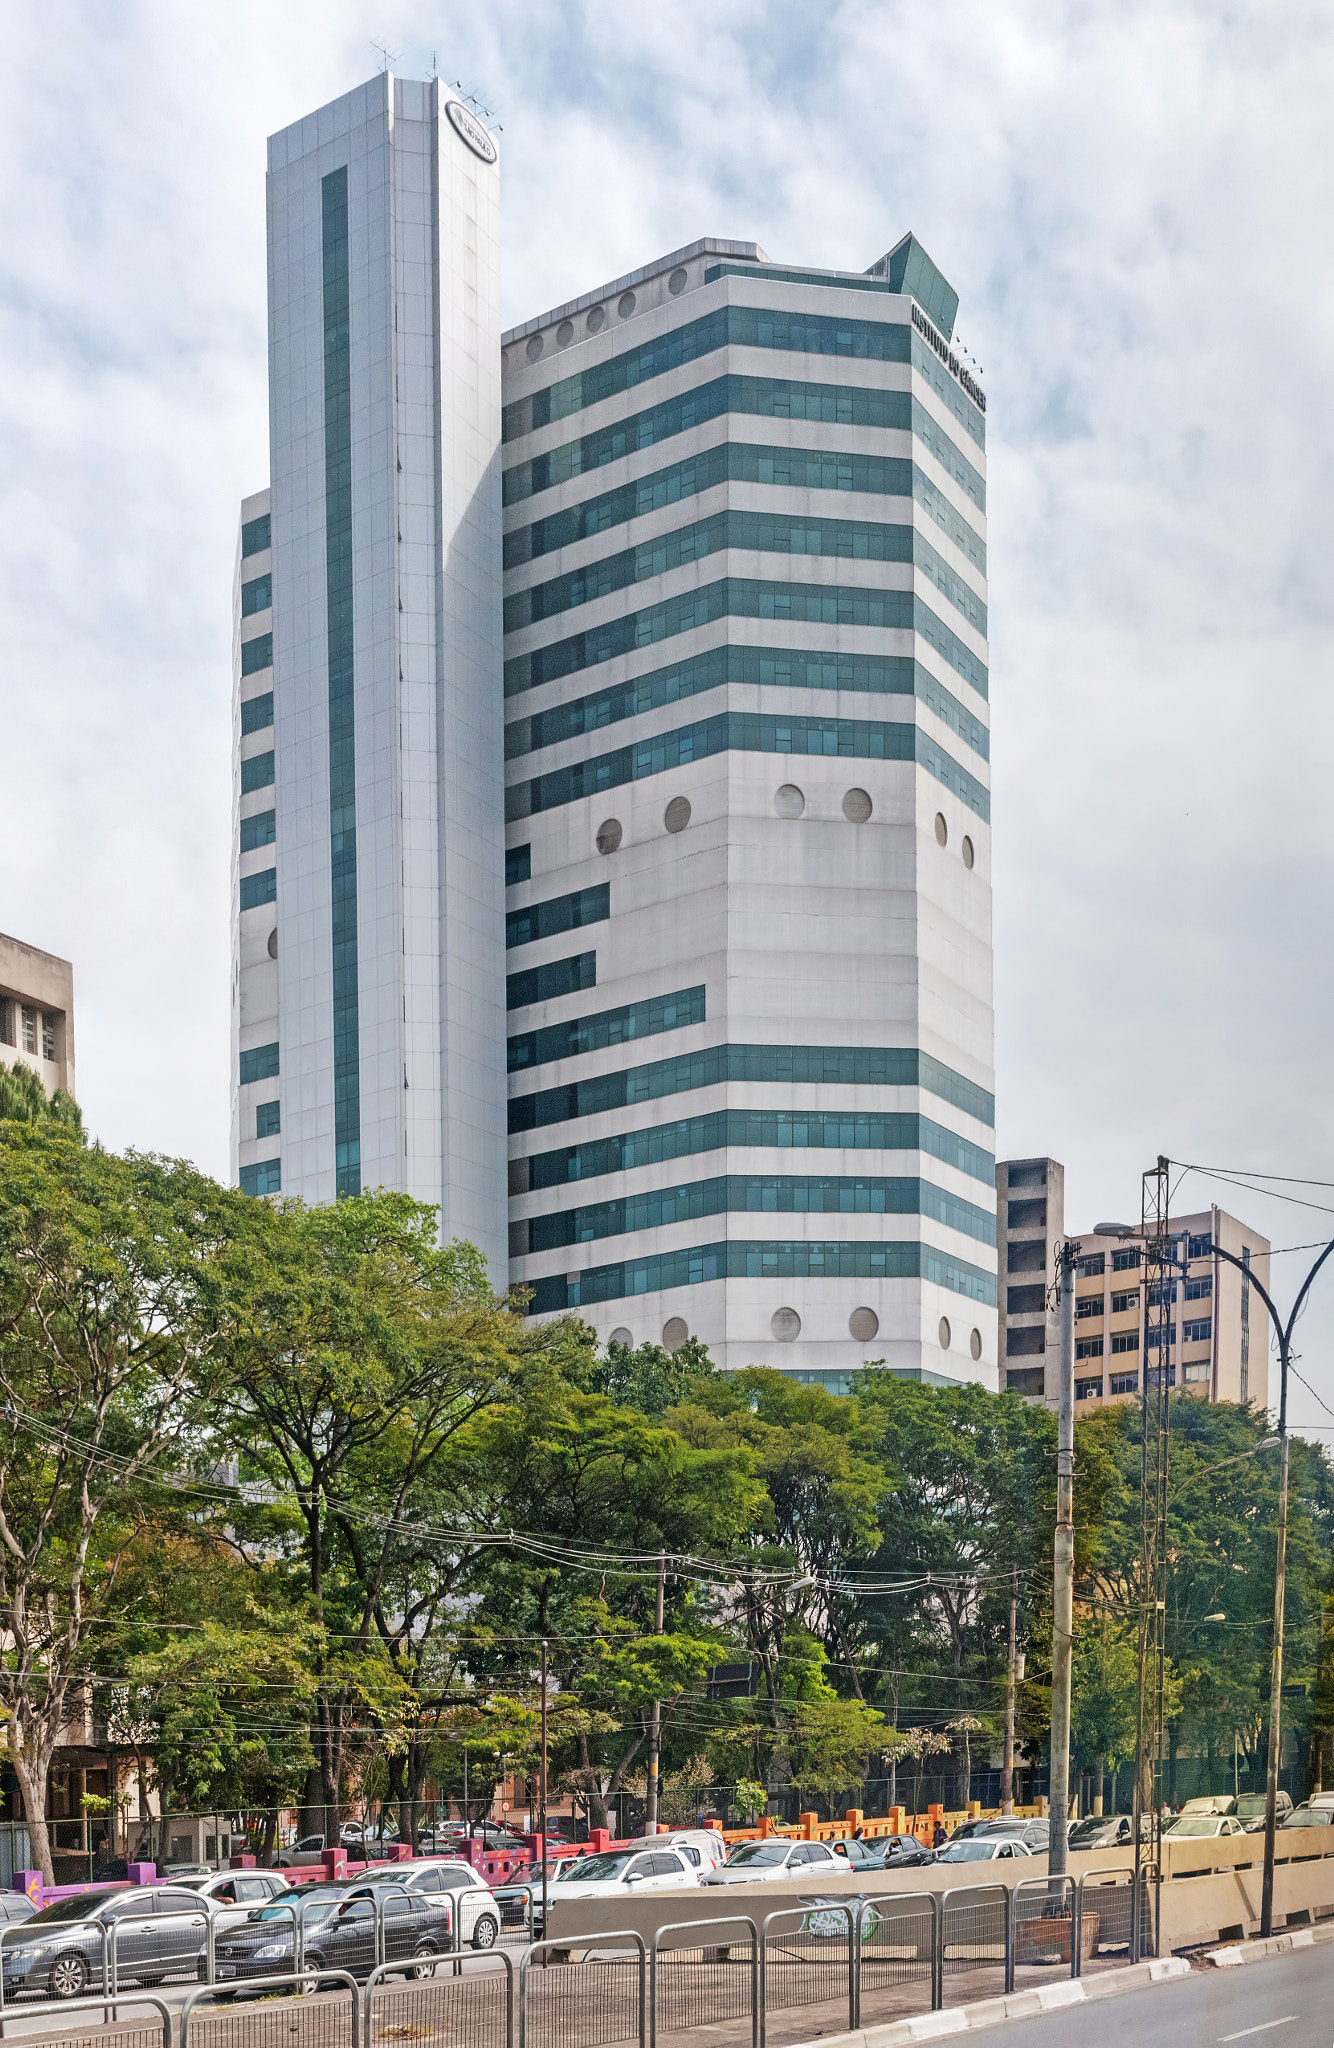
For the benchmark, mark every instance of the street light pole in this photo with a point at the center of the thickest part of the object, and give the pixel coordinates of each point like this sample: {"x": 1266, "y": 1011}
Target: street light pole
{"x": 1063, "y": 1586}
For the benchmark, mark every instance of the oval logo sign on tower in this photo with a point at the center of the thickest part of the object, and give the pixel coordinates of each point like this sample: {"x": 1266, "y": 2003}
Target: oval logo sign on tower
{"x": 471, "y": 130}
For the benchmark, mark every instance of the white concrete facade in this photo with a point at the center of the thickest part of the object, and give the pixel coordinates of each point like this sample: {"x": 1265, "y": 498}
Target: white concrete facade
{"x": 423, "y": 1008}
{"x": 807, "y": 892}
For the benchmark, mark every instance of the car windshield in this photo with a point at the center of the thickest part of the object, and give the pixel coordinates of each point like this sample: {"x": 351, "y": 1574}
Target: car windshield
{"x": 78, "y": 1908}
{"x": 1089, "y": 1831}
{"x": 758, "y": 1852}
{"x": 190, "y": 1884}
{"x": 1193, "y": 1824}
{"x": 1250, "y": 1805}
{"x": 966, "y": 1852}
{"x": 314, "y": 1905}
{"x": 598, "y": 1869}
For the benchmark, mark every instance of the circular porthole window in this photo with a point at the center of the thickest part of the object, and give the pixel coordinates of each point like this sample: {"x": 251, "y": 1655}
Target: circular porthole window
{"x": 273, "y": 943}
{"x": 674, "y": 1333}
{"x": 975, "y": 1344}
{"x": 609, "y": 835}
{"x": 786, "y": 1325}
{"x": 625, "y": 305}
{"x": 789, "y": 801}
{"x": 864, "y": 1324}
{"x": 596, "y": 320}
{"x": 944, "y": 1333}
{"x": 856, "y": 806}
{"x": 677, "y": 814}
{"x": 620, "y": 1335}
{"x": 565, "y": 333}
{"x": 967, "y": 851}
{"x": 942, "y": 829}
{"x": 676, "y": 283}
{"x": 534, "y": 348}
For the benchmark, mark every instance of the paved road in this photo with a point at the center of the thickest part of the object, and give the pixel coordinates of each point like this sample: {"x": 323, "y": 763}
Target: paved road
{"x": 1283, "y": 2002}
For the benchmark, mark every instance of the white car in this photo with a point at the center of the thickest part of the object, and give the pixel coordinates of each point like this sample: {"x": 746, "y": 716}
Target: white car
{"x": 1202, "y": 1824}
{"x": 983, "y": 1849}
{"x": 703, "y": 1848}
{"x": 474, "y": 1901}
{"x": 618, "y": 1873}
{"x": 776, "y": 1857}
{"x": 233, "y": 1894}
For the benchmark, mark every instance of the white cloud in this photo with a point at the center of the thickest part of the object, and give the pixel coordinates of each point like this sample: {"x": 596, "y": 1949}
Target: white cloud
{"x": 1131, "y": 201}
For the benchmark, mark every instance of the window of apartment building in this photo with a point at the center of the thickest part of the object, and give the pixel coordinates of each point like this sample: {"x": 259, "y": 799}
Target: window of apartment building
{"x": 1088, "y": 1347}
{"x": 29, "y": 1028}
{"x": 1088, "y": 1390}
{"x": 268, "y": 1123}
{"x": 48, "y": 1035}
{"x": 1198, "y": 1372}
{"x": 6, "y": 1020}
{"x": 1088, "y": 1305}
{"x": 1125, "y": 1261}
{"x": 1125, "y": 1340}
{"x": 1201, "y": 1289}
{"x": 1028, "y": 1173}
{"x": 1122, "y": 1302}
{"x": 1198, "y": 1332}
{"x": 1095, "y": 1263}
{"x": 1125, "y": 1382}
{"x": 1162, "y": 1294}
{"x": 1200, "y": 1247}
{"x": 1025, "y": 1301}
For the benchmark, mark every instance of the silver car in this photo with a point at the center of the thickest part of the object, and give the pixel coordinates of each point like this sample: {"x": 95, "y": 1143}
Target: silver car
{"x": 775, "y": 1858}
{"x": 233, "y": 1894}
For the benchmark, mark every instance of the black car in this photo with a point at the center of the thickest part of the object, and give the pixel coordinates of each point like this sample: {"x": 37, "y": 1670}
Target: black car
{"x": 338, "y": 1932}
{"x": 60, "y": 1952}
{"x": 902, "y": 1852}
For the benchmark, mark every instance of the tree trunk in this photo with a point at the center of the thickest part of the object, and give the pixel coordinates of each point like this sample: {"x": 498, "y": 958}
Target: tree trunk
{"x": 32, "y": 1773}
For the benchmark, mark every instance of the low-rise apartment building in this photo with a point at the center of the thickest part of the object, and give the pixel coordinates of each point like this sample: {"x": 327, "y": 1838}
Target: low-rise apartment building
{"x": 37, "y": 1013}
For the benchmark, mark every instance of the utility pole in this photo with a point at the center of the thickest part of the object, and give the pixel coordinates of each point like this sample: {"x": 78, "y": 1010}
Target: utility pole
{"x": 1007, "y": 1768}
{"x": 1063, "y": 1589}
{"x": 655, "y": 1718}
{"x": 542, "y": 1804}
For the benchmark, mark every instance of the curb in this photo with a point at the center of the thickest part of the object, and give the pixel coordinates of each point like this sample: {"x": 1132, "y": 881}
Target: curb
{"x": 1237, "y": 1952}
{"x": 1019, "y": 2005}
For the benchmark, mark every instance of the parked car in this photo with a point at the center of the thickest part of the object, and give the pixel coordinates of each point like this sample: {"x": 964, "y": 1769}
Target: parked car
{"x": 474, "y": 1900}
{"x": 15, "y": 1907}
{"x": 1308, "y": 1817}
{"x": 1197, "y": 1826}
{"x": 512, "y": 1897}
{"x": 1251, "y": 1810}
{"x": 616, "y": 1873}
{"x": 234, "y": 1894}
{"x": 1108, "y": 1831}
{"x": 338, "y": 1933}
{"x": 59, "y": 1952}
{"x": 862, "y": 1855}
{"x": 982, "y": 1849}
{"x": 1034, "y": 1834}
{"x": 904, "y": 1852}
{"x": 703, "y": 1848}
{"x": 774, "y": 1858}
{"x": 1210, "y": 1802}
{"x": 302, "y": 1855}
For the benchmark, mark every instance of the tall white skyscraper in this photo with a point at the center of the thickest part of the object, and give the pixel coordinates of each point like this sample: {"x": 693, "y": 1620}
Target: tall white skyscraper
{"x": 748, "y": 838}
{"x": 367, "y": 990}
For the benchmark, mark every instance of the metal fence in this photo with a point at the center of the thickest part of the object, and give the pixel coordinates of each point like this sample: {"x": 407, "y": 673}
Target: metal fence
{"x": 859, "y": 1960}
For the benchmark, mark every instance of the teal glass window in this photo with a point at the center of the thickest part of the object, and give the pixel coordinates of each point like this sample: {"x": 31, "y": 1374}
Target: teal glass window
{"x": 258, "y": 889}
{"x": 606, "y": 1028}
{"x": 259, "y": 1064}
{"x": 558, "y": 914}
{"x": 789, "y": 1129}
{"x": 759, "y": 532}
{"x": 256, "y": 654}
{"x": 256, "y": 535}
{"x": 554, "y": 978}
{"x": 748, "y": 732}
{"x": 264, "y": 1179}
{"x": 818, "y": 604}
{"x": 256, "y": 596}
{"x": 731, "y": 1194}
{"x": 267, "y": 1120}
{"x": 739, "y": 1259}
{"x": 518, "y": 865}
{"x": 779, "y": 668}
{"x": 257, "y": 773}
{"x": 256, "y": 713}
{"x": 865, "y": 1066}
{"x": 779, "y": 398}
{"x": 261, "y": 830}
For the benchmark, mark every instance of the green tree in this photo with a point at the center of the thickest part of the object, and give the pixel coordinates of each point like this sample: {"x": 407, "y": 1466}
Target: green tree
{"x": 24, "y": 1100}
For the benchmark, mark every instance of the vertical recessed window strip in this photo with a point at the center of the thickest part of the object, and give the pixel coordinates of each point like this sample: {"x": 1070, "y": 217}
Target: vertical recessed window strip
{"x": 342, "y": 757}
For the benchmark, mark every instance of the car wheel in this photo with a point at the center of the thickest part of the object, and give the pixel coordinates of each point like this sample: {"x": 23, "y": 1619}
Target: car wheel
{"x": 485, "y": 1932}
{"x": 69, "y": 1977}
{"x": 424, "y": 1966}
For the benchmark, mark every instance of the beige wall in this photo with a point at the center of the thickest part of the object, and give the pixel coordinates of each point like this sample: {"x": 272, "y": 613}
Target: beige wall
{"x": 43, "y": 984}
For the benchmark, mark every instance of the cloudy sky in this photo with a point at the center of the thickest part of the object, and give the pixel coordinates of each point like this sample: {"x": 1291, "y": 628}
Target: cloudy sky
{"x": 1133, "y": 202}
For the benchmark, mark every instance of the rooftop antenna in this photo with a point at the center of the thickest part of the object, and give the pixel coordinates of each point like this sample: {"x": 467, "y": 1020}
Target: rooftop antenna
{"x": 386, "y": 55}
